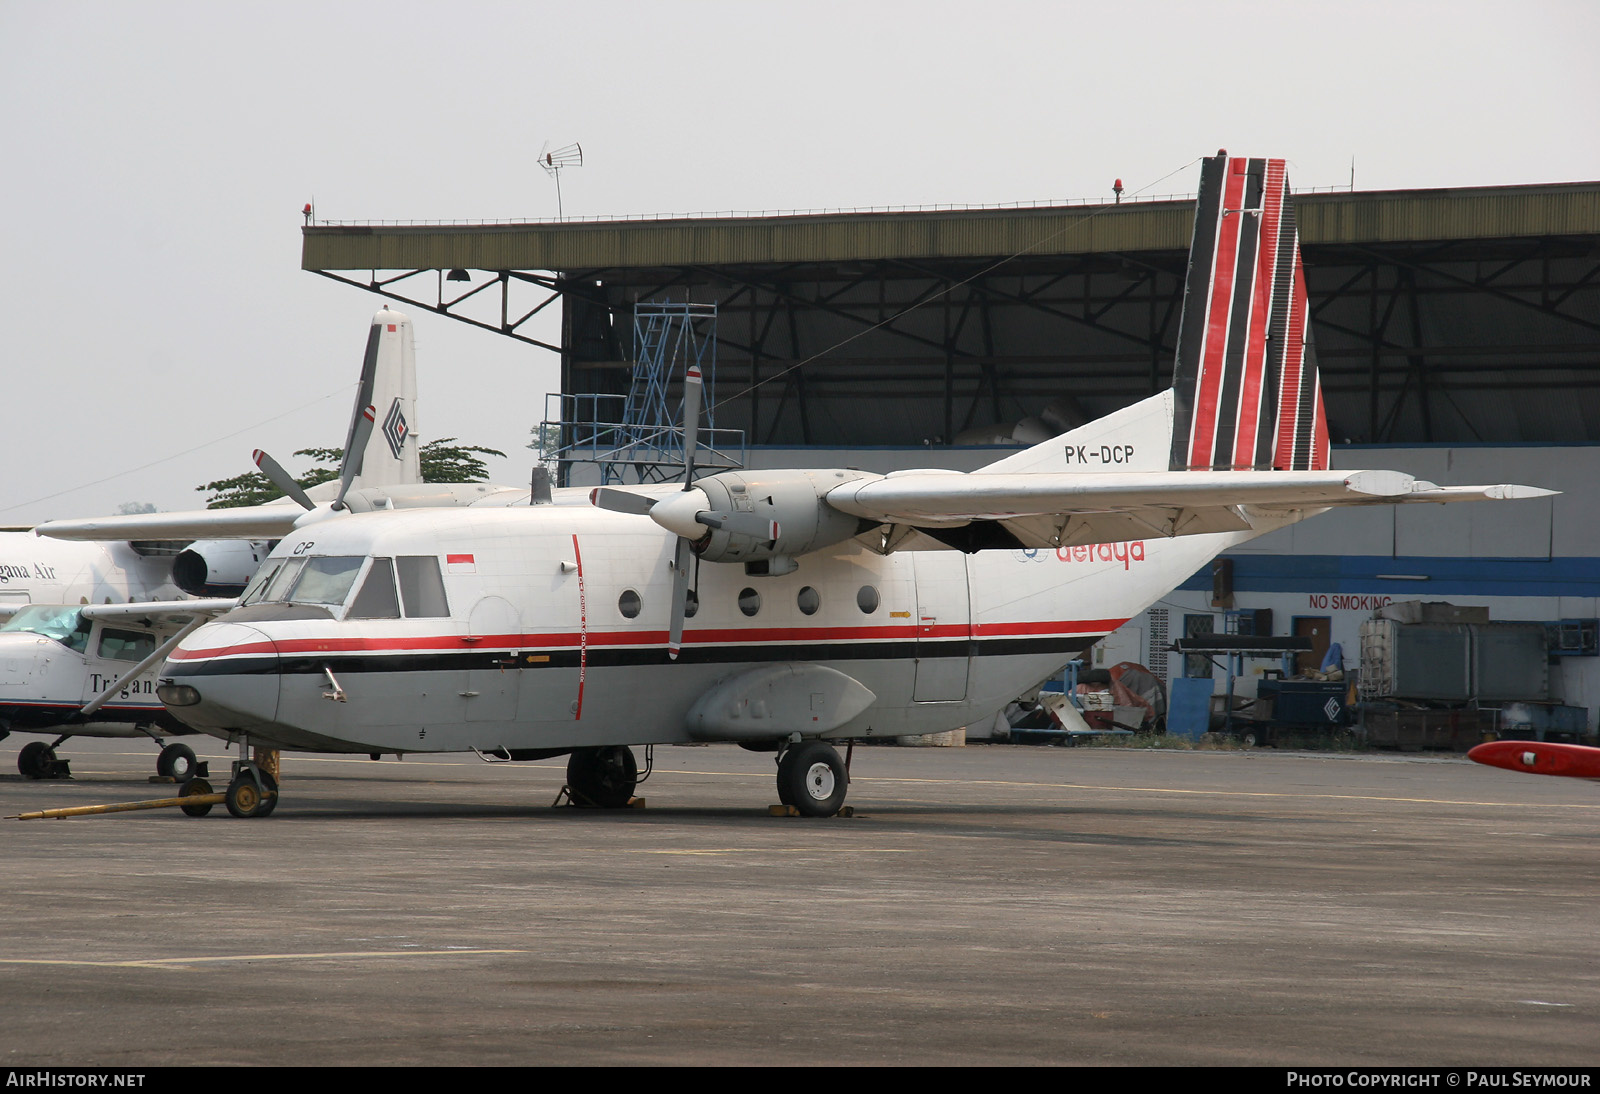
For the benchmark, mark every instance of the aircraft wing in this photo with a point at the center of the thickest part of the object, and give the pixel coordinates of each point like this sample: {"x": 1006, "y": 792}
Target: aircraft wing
{"x": 1051, "y": 509}
{"x": 270, "y": 521}
{"x": 142, "y": 608}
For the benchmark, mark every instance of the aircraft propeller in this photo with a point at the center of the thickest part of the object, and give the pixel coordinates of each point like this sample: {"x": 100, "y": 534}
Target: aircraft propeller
{"x": 688, "y": 515}
{"x": 349, "y": 467}
{"x": 280, "y": 478}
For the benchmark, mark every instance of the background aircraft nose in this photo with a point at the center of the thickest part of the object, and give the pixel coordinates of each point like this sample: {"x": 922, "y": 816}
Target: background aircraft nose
{"x": 223, "y": 676}
{"x": 36, "y": 670}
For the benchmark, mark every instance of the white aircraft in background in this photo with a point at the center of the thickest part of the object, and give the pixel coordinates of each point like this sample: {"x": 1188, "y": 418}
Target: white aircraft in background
{"x": 91, "y": 623}
{"x": 784, "y": 609}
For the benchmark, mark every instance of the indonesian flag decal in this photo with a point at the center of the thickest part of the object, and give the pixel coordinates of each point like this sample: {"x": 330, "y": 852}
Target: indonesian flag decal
{"x": 461, "y": 564}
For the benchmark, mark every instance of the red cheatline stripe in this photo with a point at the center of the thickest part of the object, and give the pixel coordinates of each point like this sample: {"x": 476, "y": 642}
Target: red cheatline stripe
{"x": 1212, "y": 365}
{"x": 624, "y": 639}
{"x": 1255, "y": 357}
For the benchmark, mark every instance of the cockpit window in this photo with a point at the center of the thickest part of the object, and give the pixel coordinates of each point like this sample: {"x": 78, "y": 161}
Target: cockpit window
{"x": 253, "y": 591}
{"x": 119, "y": 645}
{"x": 326, "y": 579}
{"x": 277, "y": 588}
{"x": 63, "y": 623}
{"x": 421, "y": 587}
{"x": 377, "y": 599}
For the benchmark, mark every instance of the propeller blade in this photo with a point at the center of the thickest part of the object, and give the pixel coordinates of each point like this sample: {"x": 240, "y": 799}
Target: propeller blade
{"x": 280, "y": 478}
{"x": 620, "y": 501}
{"x": 360, "y": 431}
{"x": 680, "y": 596}
{"x": 693, "y": 394}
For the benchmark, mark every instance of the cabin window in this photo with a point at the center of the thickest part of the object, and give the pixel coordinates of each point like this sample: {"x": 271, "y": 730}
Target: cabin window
{"x": 628, "y": 604}
{"x": 809, "y": 601}
{"x": 422, "y": 587}
{"x": 326, "y": 579}
{"x": 867, "y": 599}
{"x": 118, "y": 645}
{"x": 691, "y": 603}
{"x": 64, "y": 624}
{"x": 749, "y": 601}
{"x": 377, "y": 598}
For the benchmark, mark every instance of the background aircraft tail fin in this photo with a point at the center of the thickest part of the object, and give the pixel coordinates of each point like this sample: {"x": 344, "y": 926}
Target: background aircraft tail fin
{"x": 389, "y": 387}
{"x": 1245, "y": 384}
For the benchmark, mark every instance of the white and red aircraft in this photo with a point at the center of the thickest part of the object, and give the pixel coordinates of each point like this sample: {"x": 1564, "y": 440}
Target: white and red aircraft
{"x": 784, "y": 609}
{"x": 92, "y": 622}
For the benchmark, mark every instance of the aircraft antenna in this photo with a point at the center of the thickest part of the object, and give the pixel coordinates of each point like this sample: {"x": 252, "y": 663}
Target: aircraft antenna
{"x": 554, "y": 161}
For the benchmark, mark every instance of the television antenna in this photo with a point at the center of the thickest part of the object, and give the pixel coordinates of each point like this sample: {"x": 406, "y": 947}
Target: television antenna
{"x": 554, "y": 159}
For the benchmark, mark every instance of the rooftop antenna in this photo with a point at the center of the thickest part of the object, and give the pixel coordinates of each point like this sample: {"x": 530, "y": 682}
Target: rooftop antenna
{"x": 553, "y": 160}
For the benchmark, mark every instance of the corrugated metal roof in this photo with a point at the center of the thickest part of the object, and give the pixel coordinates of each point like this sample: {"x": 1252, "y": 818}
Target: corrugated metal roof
{"x": 1370, "y": 217}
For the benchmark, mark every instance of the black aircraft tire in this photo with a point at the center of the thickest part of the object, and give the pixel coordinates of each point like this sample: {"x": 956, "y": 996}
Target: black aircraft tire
{"x": 194, "y": 788}
{"x": 176, "y": 762}
{"x": 812, "y": 778}
{"x": 36, "y": 759}
{"x": 603, "y": 777}
{"x": 270, "y": 802}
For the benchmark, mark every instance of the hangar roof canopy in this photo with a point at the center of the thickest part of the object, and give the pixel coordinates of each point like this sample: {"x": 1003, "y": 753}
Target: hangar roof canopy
{"x": 1449, "y": 316}
{"x": 1338, "y": 218}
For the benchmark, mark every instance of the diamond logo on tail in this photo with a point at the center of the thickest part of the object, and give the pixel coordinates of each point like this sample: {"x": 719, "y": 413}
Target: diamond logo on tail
{"x": 395, "y": 429}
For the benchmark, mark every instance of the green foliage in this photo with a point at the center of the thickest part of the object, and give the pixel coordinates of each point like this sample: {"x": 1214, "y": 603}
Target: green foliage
{"x": 442, "y": 461}
{"x": 445, "y": 461}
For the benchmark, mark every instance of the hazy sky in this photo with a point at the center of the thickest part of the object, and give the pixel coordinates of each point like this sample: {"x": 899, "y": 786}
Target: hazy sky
{"x": 156, "y": 156}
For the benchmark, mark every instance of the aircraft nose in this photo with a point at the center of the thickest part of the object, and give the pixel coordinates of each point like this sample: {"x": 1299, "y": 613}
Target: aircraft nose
{"x": 223, "y": 676}
{"x": 34, "y": 674}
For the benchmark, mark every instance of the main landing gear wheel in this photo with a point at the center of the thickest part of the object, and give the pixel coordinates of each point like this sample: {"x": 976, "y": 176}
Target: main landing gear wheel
{"x": 194, "y": 788}
{"x": 812, "y": 778}
{"x": 603, "y": 777}
{"x": 36, "y": 760}
{"x": 176, "y": 761}
{"x": 247, "y": 799}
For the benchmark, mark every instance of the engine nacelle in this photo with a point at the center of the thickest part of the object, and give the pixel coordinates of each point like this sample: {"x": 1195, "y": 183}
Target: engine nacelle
{"x": 217, "y": 567}
{"x": 752, "y": 500}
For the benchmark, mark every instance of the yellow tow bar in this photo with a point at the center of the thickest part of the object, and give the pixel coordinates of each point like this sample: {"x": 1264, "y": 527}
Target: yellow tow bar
{"x": 196, "y": 800}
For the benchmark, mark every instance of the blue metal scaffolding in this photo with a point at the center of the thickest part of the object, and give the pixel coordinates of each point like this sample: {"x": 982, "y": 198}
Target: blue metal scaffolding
{"x": 638, "y": 437}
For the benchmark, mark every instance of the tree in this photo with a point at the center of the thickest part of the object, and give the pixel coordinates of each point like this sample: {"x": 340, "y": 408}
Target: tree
{"x": 442, "y": 460}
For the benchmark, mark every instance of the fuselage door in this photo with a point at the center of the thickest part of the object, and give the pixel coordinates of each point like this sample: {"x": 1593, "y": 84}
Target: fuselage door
{"x": 944, "y": 627}
{"x": 494, "y": 631}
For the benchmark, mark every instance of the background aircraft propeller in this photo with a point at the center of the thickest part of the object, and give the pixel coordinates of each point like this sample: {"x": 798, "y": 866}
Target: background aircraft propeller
{"x": 280, "y": 478}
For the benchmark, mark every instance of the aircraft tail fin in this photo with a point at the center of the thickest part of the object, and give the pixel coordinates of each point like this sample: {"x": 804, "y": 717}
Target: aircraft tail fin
{"x": 1245, "y": 384}
{"x": 389, "y": 388}
{"x": 1245, "y": 394}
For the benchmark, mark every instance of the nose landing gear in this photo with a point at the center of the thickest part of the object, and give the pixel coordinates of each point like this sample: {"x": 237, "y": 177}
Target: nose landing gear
{"x": 252, "y": 789}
